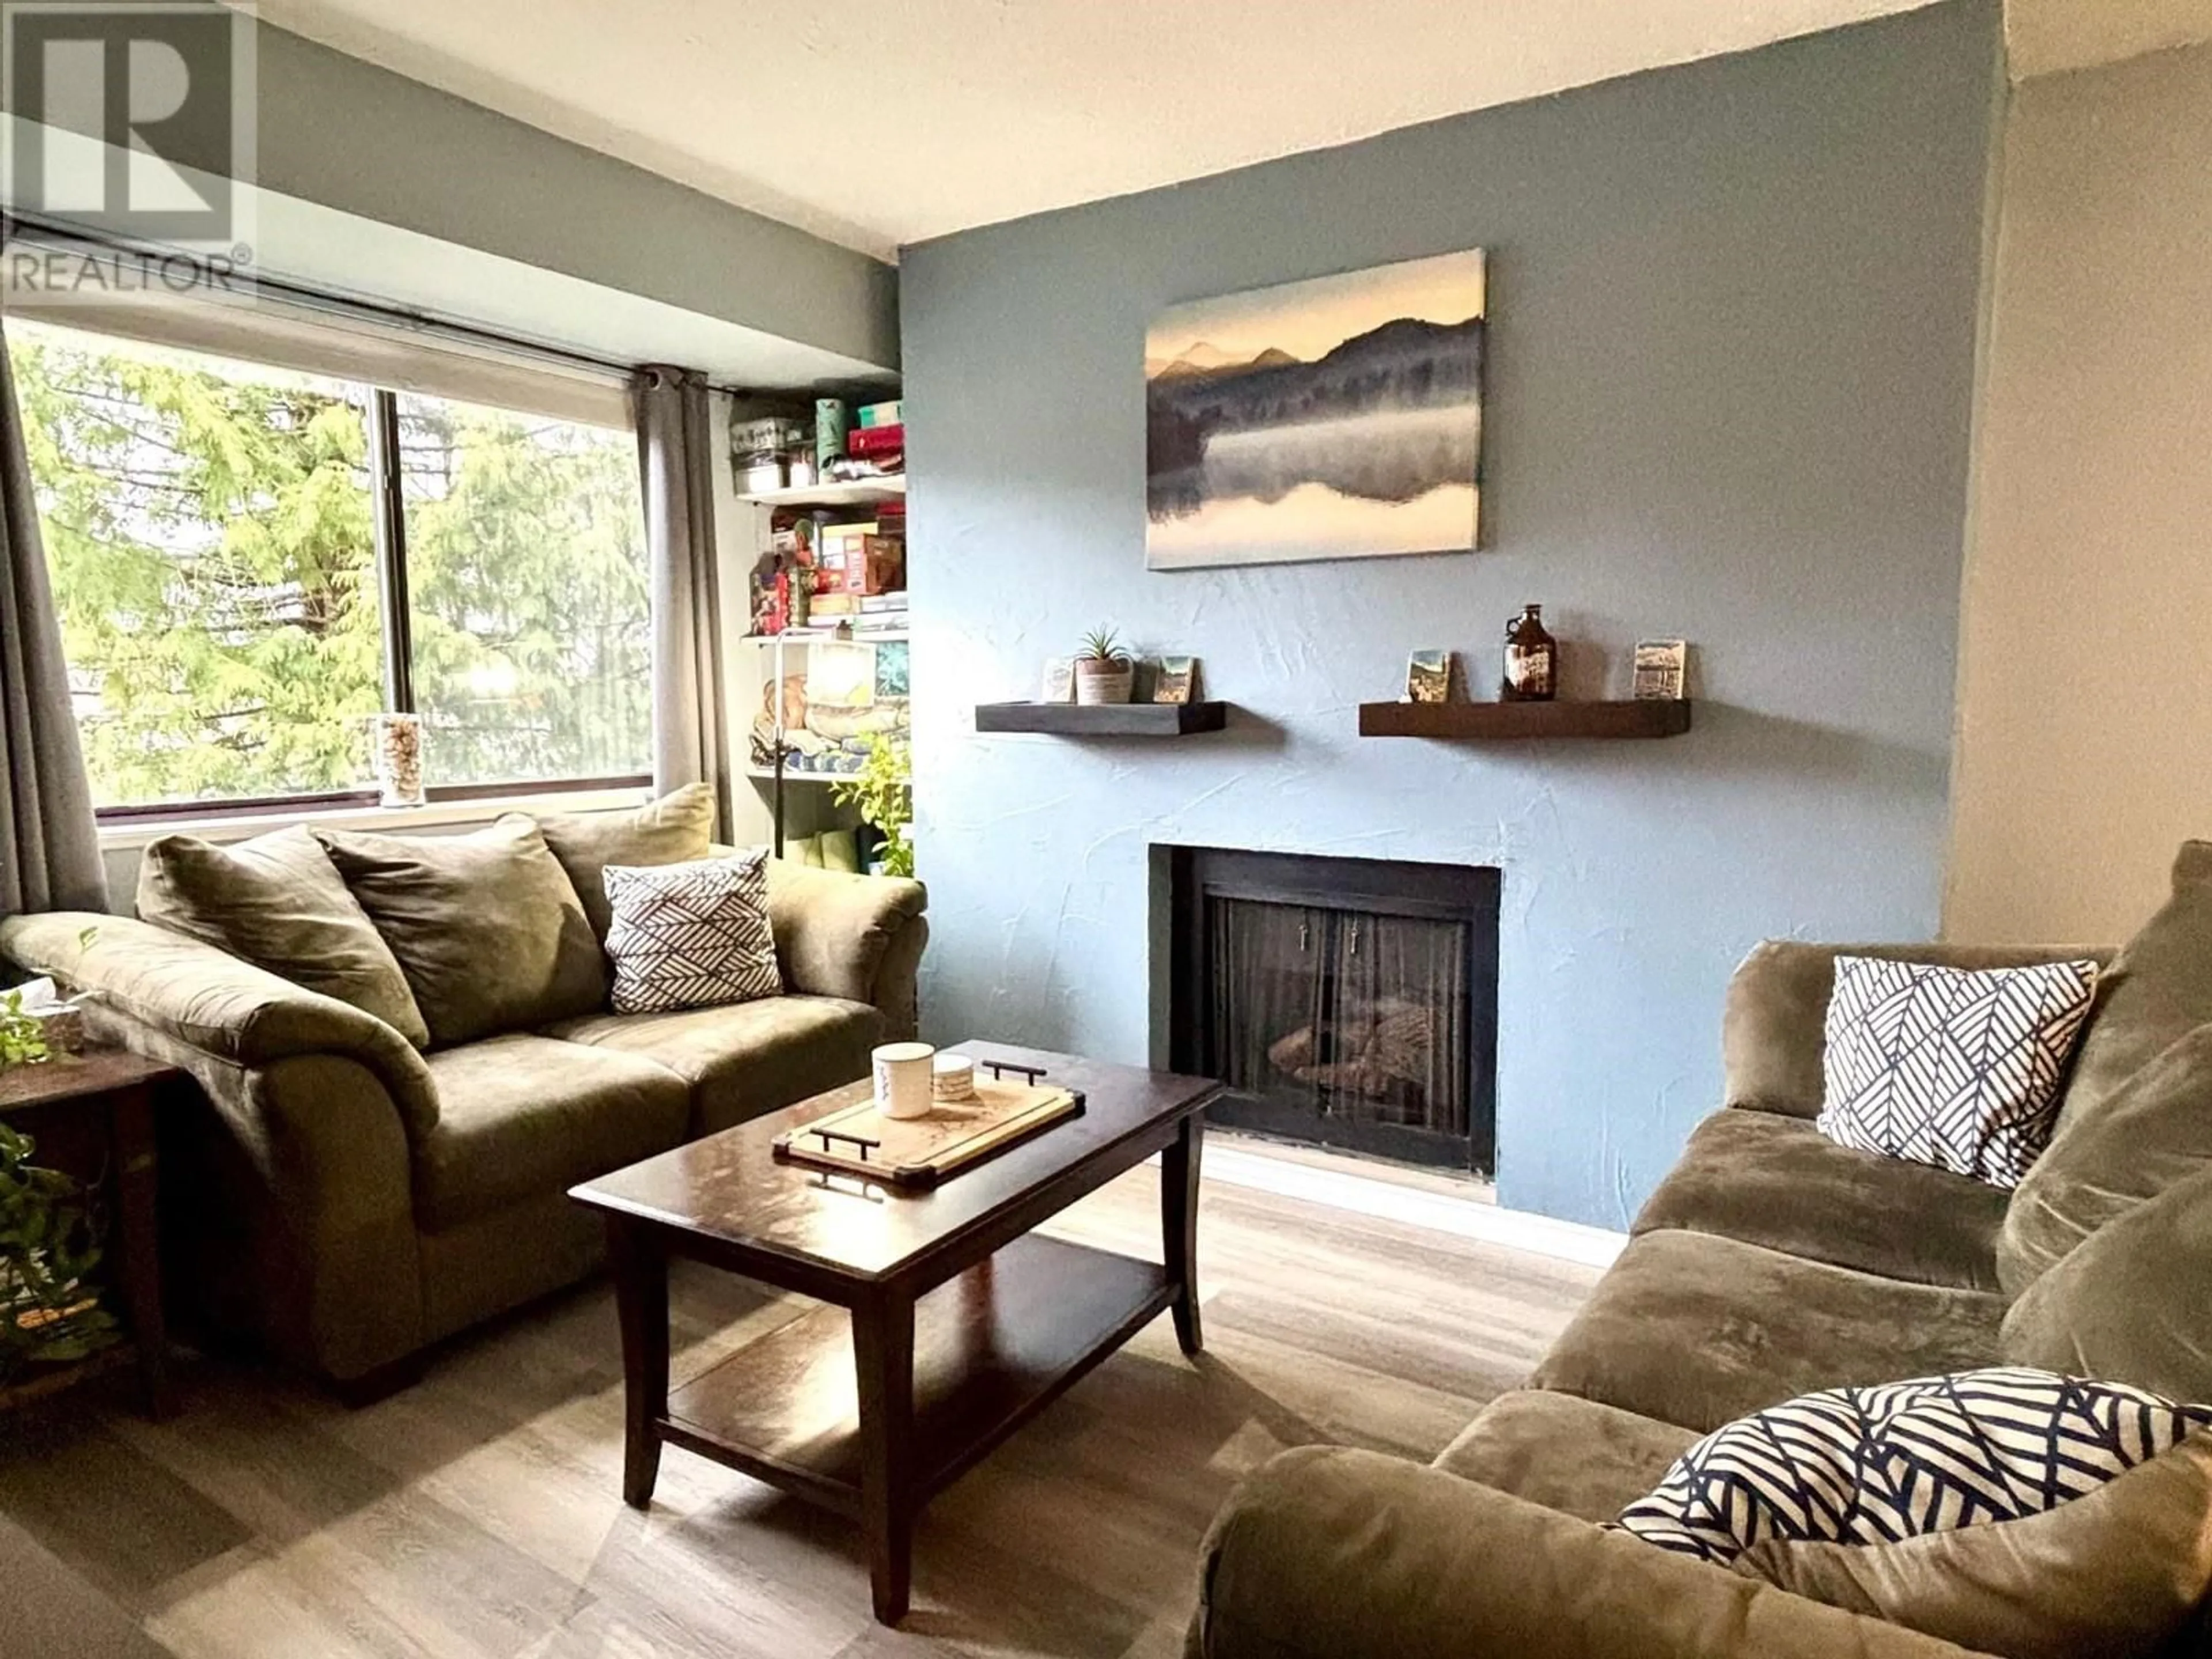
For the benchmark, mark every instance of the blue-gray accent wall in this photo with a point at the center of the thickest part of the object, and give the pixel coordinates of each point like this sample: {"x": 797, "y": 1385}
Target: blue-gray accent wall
{"x": 1734, "y": 314}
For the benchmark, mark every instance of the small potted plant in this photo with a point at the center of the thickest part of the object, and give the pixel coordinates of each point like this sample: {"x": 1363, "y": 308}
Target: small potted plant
{"x": 1103, "y": 673}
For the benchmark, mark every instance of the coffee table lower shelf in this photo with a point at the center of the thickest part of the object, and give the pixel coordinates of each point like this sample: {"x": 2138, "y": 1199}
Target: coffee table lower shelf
{"x": 991, "y": 1347}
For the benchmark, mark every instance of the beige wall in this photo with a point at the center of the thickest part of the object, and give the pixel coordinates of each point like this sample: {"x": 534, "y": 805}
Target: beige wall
{"x": 2084, "y": 714}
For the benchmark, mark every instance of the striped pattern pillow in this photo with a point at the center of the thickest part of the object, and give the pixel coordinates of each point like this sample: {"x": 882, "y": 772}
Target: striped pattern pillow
{"x": 1948, "y": 1066}
{"x": 690, "y": 935}
{"x": 1902, "y": 1460}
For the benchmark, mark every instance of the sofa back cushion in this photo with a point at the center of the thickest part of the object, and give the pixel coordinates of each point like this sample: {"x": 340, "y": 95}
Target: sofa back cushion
{"x": 2131, "y": 1303}
{"x": 678, "y": 829}
{"x": 2124, "y": 1133}
{"x": 278, "y": 902}
{"x": 486, "y": 925}
{"x": 1773, "y": 1045}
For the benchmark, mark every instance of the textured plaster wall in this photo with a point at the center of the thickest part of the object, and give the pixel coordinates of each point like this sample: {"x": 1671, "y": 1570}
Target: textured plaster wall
{"x": 2086, "y": 713}
{"x": 1734, "y": 313}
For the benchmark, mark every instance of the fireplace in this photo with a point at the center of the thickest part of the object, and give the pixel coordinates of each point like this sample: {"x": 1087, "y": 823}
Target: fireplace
{"x": 1350, "y": 1002}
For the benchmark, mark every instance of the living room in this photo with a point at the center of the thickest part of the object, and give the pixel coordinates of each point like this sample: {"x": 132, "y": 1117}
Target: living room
{"x": 1501, "y": 901}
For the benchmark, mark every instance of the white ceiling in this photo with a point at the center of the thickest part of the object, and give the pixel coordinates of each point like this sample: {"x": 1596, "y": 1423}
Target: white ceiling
{"x": 2043, "y": 36}
{"x": 877, "y": 122}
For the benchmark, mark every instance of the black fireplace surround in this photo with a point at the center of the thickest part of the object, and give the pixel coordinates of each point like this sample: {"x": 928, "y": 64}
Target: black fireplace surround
{"x": 1350, "y": 1002}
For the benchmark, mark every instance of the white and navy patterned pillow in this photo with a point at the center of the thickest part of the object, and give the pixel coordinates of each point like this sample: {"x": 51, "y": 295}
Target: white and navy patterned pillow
{"x": 1948, "y": 1066}
{"x": 690, "y": 935}
{"x": 1900, "y": 1460}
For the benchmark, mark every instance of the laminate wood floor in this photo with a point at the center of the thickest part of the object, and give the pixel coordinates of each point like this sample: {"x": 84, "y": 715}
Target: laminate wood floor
{"x": 477, "y": 1514}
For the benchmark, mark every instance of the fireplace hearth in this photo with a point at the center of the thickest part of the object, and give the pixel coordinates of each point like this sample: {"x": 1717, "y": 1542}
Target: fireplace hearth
{"x": 1347, "y": 1002}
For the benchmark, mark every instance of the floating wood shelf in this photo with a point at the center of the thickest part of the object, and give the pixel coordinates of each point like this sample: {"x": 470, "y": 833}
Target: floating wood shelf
{"x": 1113, "y": 720}
{"x": 1515, "y": 722}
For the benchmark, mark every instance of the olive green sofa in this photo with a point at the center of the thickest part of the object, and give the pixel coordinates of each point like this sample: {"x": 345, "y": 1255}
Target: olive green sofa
{"x": 346, "y": 1196}
{"x": 1769, "y": 1263}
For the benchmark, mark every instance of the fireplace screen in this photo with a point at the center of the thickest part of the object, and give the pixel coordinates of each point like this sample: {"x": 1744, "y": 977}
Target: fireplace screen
{"x": 1358, "y": 1017}
{"x": 1351, "y": 1014}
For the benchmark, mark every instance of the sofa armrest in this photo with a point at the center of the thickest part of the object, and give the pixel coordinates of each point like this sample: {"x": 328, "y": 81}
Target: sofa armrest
{"x": 1326, "y": 1553}
{"x": 855, "y": 937}
{"x": 1773, "y": 1033}
{"x": 210, "y": 1001}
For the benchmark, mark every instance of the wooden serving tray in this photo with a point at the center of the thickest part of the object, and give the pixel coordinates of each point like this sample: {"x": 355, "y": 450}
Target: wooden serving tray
{"x": 920, "y": 1151}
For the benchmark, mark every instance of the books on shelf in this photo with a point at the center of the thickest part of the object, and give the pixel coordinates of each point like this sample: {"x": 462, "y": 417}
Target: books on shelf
{"x": 875, "y": 442}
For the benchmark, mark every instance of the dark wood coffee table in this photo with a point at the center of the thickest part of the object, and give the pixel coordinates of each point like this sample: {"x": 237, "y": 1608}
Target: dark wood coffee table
{"x": 963, "y": 1323}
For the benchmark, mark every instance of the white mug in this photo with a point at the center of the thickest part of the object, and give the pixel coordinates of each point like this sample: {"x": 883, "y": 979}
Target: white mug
{"x": 903, "y": 1079}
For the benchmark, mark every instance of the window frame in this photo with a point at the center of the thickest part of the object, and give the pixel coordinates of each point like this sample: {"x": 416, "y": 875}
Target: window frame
{"x": 388, "y": 518}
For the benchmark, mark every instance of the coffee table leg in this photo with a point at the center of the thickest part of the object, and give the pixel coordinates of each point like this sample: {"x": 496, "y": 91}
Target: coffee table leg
{"x": 883, "y": 1355}
{"x": 1179, "y": 1222}
{"x": 641, "y": 1270}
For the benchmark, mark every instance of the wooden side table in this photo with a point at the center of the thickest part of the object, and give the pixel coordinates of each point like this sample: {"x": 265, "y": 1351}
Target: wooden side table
{"x": 90, "y": 1113}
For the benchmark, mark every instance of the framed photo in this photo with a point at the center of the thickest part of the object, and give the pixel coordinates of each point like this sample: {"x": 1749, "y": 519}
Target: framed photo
{"x": 1176, "y": 680}
{"x": 1429, "y": 677}
{"x": 1662, "y": 669}
{"x": 1059, "y": 680}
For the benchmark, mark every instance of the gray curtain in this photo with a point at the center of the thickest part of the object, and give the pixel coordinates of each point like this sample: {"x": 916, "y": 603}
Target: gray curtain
{"x": 49, "y": 847}
{"x": 677, "y": 456}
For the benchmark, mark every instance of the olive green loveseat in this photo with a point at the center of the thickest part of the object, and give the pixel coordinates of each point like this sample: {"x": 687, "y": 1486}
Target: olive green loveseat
{"x": 1770, "y": 1262}
{"x": 346, "y": 1195}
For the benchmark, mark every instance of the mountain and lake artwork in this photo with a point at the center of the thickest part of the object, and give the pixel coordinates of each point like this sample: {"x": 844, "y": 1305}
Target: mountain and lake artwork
{"x": 1338, "y": 418}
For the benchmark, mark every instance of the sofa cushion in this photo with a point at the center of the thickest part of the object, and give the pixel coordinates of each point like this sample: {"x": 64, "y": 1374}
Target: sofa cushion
{"x": 278, "y": 901}
{"x": 1698, "y": 1330}
{"x": 2151, "y": 1132}
{"x": 2131, "y": 1303}
{"x": 1772, "y": 1032}
{"x": 2157, "y": 990}
{"x": 677, "y": 828}
{"x": 1775, "y": 1180}
{"x": 746, "y": 1059}
{"x": 521, "y": 1116}
{"x": 1566, "y": 1452}
{"x": 486, "y": 925}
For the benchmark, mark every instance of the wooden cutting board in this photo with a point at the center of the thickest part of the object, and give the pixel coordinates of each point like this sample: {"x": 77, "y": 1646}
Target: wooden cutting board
{"x": 920, "y": 1151}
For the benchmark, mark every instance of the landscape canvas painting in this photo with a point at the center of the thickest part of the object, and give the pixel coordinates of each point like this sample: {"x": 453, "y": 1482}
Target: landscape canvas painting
{"x": 1339, "y": 418}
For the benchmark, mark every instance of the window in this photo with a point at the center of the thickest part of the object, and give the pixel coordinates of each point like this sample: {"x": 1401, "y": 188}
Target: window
{"x": 218, "y": 555}
{"x": 526, "y": 578}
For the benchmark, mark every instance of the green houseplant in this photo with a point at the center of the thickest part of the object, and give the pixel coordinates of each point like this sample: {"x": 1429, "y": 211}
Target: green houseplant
{"x": 50, "y": 1314}
{"x": 1103, "y": 672}
{"x": 22, "y": 1038}
{"x": 884, "y": 791}
{"x": 49, "y": 1245}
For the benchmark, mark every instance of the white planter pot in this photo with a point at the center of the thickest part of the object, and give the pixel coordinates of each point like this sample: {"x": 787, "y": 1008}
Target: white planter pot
{"x": 1097, "y": 685}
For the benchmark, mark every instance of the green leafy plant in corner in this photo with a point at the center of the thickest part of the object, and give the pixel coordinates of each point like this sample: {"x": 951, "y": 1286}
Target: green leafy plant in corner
{"x": 1103, "y": 645}
{"x": 50, "y": 1314}
{"x": 22, "y": 1038}
{"x": 884, "y": 791}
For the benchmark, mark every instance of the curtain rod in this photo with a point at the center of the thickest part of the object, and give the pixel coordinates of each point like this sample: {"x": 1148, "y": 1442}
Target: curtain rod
{"x": 70, "y": 239}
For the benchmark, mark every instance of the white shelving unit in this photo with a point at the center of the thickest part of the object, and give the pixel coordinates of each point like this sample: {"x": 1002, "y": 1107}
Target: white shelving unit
{"x": 863, "y": 492}
{"x": 753, "y": 665}
{"x": 799, "y": 638}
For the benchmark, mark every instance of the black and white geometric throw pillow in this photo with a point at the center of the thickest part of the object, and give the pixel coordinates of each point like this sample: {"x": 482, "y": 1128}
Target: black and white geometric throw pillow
{"x": 1901, "y": 1460}
{"x": 690, "y": 935}
{"x": 1950, "y": 1066}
